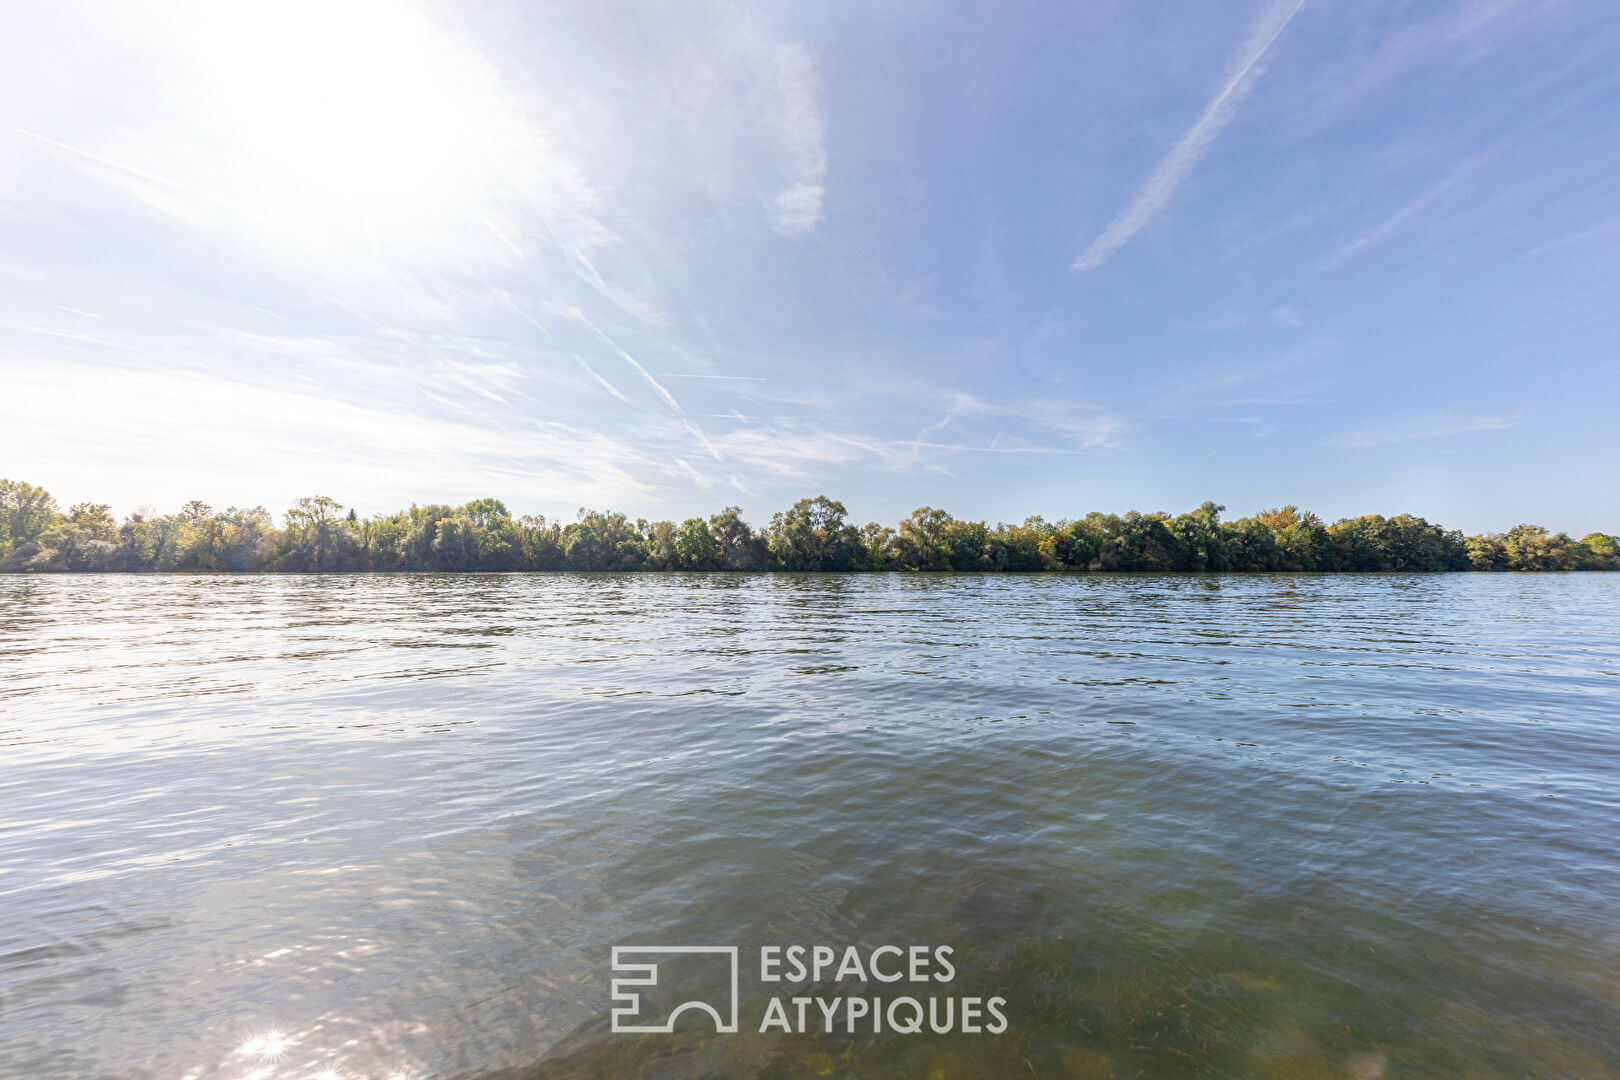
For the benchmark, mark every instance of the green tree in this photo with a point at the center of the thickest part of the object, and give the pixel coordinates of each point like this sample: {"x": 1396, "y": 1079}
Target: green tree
{"x": 1531, "y": 547}
{"x": 25, "y": 513}
{"x": 659, "y": 541}
{"x": 1301, "y": 538}
{"x": 240, "y": 537}
{"x": 319, "y": 532}
{"x": 1598, "y": 551}
{"x": 603, "y": 541}
{"x": 878, "y": 543}
{"x": 813, "y": 535}
{"x": 967, "y": 545}
{"x": 1403, "y": 542}
{"x": 487, "y": 513}
{"x": 740, "y": 547}
{"x": 1249, "y": 544}
{"x": 1137, "y": 541}
{"x": 923, "y": 540}
{"x": 1079, "y": 544}
{"x": 1202, "y": 541}
{"x": 1030, "y": 546}
{"x": 696, "y": 548}
{"x": 94, "y": 520}
{"x": 1485, "y": 552}
{"x": 539, "y": 544}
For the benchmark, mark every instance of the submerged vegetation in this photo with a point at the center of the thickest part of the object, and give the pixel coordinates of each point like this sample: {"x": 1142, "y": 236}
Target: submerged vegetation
{"x": 319, "y": 534}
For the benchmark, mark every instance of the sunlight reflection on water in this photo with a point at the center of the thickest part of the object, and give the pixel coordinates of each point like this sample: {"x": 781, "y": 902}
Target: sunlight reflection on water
{"x": 1265, "y": 826}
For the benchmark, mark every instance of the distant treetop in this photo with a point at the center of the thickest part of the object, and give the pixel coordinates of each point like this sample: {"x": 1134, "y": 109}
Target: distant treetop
{"x": 321, "y": 534}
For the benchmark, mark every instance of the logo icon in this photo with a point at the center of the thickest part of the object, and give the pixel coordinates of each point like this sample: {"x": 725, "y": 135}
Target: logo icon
{"x": 645, "y": 974}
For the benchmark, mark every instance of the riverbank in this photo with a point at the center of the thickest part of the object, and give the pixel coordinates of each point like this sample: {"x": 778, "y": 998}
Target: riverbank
{"x": 320, "y": 535}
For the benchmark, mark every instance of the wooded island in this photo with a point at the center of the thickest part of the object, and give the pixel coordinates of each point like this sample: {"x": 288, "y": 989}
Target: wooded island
{"x": 319, "y": 534}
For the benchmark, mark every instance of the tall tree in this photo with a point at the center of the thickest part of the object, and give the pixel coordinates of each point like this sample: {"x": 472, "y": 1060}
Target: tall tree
{"x": 813, "y": 535}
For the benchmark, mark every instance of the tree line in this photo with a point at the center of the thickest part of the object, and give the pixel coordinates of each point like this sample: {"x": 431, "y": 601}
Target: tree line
{"x": 319, "y": 534}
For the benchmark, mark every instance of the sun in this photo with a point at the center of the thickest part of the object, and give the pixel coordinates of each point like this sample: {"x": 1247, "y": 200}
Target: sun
{"x": 362, "y": 127}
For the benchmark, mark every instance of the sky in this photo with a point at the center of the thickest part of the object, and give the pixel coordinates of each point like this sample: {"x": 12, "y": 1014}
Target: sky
{"x": 1003, "y": 259}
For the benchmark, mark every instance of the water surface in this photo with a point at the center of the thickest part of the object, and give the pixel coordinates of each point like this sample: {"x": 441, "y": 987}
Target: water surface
{"x": 375, "y": 826}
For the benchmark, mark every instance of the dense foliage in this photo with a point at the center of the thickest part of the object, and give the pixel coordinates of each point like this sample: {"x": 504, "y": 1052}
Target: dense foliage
{"x": 318, "y": 534}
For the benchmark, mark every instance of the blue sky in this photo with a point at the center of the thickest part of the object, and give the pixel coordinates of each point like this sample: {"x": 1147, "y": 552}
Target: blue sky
{"x": 1002, "y": 259}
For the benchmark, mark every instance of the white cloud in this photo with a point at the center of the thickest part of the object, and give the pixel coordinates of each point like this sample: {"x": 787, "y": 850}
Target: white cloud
{"x": 162, "y": 435}
{"x": 1373, "y": 59}
{"x": 405, "y": 147}
{"x": 357, "y": 141}
{"x": 795, "y": 209}
{"x": 609, "y": 387}
{"x": 414, "y": 198}
{"x": 1161, "y": 184}
{"x": 1431, "y": 426}
{"x": 1400, "y": 216}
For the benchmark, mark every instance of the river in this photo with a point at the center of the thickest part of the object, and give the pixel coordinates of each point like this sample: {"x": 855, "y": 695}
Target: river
{"x": 393, "y": 826}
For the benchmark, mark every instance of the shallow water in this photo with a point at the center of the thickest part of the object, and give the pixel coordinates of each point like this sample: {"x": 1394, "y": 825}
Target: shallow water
{"x": 1286, "y": 826}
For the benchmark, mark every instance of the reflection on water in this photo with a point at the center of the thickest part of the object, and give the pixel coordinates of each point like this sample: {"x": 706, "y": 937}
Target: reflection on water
{"x": 392, "y": 826}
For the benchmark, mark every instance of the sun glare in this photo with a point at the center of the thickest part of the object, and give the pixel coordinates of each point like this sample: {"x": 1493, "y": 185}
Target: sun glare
{"x": 266, "y": 1047}
{"x": 360, "y": 124}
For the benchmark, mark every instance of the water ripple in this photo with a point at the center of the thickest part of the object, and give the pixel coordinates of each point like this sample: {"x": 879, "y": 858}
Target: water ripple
{"x": 1190, "y": 826}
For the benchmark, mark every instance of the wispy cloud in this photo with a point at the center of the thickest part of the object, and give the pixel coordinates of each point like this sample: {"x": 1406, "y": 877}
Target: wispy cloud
{"x": 126, "y": 170}
{"x": 687, "y": 469}
{"x": 1577, "y": 237}
{"x": 727, "y": 378}
{"x": 1430, "y": 426}
{"x": 361, "y": 279}
{"x": 669, "y": 399}
{"x": 609, "y": 387}
{"x": 968, "y": 448}
{"x": 1388, "y": 49}
{"x": 1080, "y": 428}
{"x": 1402, "y": 215}
{"x": 1304, "y": 355}
{"x": 795, "y": 208}
{"x": 164, "y": 433}
{"x": 1162, "y": 183}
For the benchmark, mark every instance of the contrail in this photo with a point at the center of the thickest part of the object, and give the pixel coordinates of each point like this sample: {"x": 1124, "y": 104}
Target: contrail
{"x": 1178, "y": 163}
{"x": 609, "y": 387}
{"x": 579, "y": 316}
{"x": 149, "y": 177}
{"x": 734, "y": 378}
